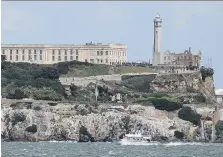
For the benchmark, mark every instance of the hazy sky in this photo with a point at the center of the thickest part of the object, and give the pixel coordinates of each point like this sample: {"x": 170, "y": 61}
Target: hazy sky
{"x": 185, "y": 24}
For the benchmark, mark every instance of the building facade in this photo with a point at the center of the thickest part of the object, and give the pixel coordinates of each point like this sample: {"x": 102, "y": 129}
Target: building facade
{"x": 167, "y": 58}
{"x": 219, "y": 95}
{"x": 49, "y": 54}
{"x": 186, "y": 59}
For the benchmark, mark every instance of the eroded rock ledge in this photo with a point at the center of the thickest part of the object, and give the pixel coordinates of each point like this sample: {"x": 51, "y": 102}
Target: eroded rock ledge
{"x": 80, "y": 122}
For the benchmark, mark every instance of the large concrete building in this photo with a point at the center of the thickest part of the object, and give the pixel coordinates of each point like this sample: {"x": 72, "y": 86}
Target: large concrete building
{"x": 167, "y": 58}
{"x": 50, "y": 54}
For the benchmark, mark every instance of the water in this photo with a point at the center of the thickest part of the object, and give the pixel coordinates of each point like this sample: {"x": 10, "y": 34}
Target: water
{"x": 72, "y": 149}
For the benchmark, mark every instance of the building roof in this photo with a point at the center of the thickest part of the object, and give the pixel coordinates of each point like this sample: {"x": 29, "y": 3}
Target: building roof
{"x": 219, "y": 92}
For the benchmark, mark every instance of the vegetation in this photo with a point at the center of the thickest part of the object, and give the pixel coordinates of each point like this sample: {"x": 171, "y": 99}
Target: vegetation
{"x": 138, "y": 83}
{"x": 21, "y": 80}
{"x": 161, "y": 101}
{"x": 219, "y": 130}
{"x": 206, "y": 72}
{"x": 135, "y": 69}
{"x": 186, "y": 113}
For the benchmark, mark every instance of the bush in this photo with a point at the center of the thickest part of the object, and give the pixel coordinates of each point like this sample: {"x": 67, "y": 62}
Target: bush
{"x": 166, "y": 103}
{"x": 49, "y": 73}
{"x": 186, "y": 113}
{"x": 17, "y": 117}
{"x": 206, "y": 72}
{"x": 63, "y": 67}
{"x": 219, "y": 130}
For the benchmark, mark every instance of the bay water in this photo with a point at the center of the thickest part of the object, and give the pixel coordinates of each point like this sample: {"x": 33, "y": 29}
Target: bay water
{"x": 100, "y": 149}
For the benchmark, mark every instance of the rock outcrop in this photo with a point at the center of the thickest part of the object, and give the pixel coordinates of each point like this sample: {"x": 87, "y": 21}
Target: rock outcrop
{"x": 81, "y": 122}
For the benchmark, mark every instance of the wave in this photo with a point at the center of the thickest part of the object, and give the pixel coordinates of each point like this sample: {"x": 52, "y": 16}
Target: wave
{"x": 182, "y": 143}
{"x": 62, "y": 141}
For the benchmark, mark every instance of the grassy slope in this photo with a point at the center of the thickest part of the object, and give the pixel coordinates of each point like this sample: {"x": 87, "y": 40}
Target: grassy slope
{"x": 101, "y": 69}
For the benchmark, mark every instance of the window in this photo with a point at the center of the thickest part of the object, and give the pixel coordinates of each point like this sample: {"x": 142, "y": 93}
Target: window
{"x": 76, "y": 58}
{"x": 92, "y": 60}
{"x": 106, "y": 53}
{"x": 29, "y": 52}
{"x": 77, "y": 52}
{"x": 23, "y": 57}
{"x": 17, "y": 51}
{"x": 85, "y": 60}
{"x": 59, "y": 52}
{"x": 65, "y": 53}
{"x": 65, "y": 58}
{"x": 30, "y": 58}
{"x": 53, "y": 52}
{"x": 17, "y": 57}
{"x": 71, "y": 52}
{"x": 98, "y": 53}
{"x": 23, "y": 52}
{"x": 71, "y": 58}
{"x": 97, "y": 60}
{"x": 40, "y": 51}
{"x": 3, "y": 52}
{"x": 35, "y": 58}
{"x": 53, "y": 58}
{"x": 106, "y": 61}
{"x": 101, "y": 60}
{"x": 164, "y": 58}
{"x": 34, "y": 51}
{"x": 10, "y": 57}
{"x": 40, "y": 57}
{"x": 59, "y": 58}
{"x": 10, "y": 52}
{"x": 102, "y": 53}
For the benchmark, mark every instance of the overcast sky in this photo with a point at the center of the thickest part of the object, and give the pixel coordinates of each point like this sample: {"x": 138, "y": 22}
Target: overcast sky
{"x": 185, "y": 24}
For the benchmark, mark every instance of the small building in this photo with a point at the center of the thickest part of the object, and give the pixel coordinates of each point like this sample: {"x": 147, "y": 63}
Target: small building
{"x": 219, "y": 95}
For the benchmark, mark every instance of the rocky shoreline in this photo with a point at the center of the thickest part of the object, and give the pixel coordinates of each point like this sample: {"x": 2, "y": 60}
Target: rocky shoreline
{"x": 38, "y": 121}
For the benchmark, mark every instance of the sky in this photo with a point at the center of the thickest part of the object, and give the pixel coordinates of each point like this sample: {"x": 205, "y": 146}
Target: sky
{"x": 185, "y": 24}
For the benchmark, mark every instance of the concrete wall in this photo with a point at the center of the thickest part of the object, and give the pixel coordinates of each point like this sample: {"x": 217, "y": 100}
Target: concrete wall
{"x": 84, "y": 81}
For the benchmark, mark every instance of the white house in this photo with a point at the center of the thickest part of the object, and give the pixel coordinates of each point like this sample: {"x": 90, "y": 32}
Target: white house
{"x": 219, "y": 95}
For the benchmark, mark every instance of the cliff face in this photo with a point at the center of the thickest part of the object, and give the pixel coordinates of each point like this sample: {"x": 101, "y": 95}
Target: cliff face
{"x": 93, "y": 122}
{"x": 38, "y": 121}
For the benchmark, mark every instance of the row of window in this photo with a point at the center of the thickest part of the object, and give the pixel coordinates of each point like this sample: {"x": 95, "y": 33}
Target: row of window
{"x": 23, "y": 52}
{"x": 111, "y": 53}
{"x": 65, "y": 58}
{"x": 65, "y": 52}
{"x": 23, "y": 57}
{"x": 181, "y": 57}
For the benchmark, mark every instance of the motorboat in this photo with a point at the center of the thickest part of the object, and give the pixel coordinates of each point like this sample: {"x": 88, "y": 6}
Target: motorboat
{"x": 136, "y": 139}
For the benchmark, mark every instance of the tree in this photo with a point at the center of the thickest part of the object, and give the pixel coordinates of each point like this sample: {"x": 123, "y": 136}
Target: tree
{"x": 49, "y": 73}
{"x": 3, "y": 58}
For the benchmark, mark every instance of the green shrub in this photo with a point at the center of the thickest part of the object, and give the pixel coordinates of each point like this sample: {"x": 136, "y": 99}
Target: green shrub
{"x": 63, "y": 67}
{"x": 206, "y": 72}
{"x": 186, "y": 113}
{"x": 219, "y": 130}
{"x": 49, "y": 73}
{"x": 159, "y": 95}
{"x": 166, "y": 103}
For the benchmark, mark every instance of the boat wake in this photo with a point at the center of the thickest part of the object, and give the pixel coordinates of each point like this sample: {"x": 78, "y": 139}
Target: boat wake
{"x": 182, "y": 143}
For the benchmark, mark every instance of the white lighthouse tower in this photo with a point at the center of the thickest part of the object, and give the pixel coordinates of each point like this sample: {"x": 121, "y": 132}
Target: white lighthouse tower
{"x": 157, "y": 54}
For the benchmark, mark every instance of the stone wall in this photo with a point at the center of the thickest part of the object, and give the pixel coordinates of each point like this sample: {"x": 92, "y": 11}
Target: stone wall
{"x": 84, "y": 81}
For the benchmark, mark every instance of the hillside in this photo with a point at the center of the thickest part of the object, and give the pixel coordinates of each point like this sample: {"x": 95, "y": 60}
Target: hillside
{"x": 21, "y": 80}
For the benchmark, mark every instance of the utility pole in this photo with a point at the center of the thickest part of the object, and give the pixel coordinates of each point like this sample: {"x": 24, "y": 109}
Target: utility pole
{"x": 96, "y": 91}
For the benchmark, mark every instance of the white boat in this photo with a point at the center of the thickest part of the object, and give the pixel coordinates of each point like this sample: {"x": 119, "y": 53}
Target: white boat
{"x": 136, "y": 139}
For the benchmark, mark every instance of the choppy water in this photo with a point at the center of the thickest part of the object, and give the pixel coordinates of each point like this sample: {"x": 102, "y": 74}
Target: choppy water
{"x": 72, "y": 149}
